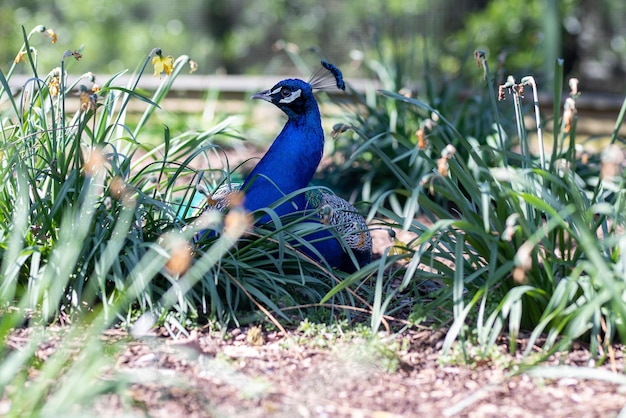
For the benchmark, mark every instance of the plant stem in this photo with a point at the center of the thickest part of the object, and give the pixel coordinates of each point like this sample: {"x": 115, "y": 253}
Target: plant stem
{"x": 530, "y": 80}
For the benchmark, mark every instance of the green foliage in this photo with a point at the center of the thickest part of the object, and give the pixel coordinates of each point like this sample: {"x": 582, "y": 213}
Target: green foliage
{"x": 223, "y": 35}
{"x": 493, "y": 222}
{"x": 516, "y": 29}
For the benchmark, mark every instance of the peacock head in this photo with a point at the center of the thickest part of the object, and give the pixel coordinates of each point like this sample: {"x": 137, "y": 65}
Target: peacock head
{"x": 292, "y": 96}
{"x": 295, "y": 97}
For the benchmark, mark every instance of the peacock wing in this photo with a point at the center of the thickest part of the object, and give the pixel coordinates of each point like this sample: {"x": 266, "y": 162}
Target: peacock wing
{"x": 346, "y": 220}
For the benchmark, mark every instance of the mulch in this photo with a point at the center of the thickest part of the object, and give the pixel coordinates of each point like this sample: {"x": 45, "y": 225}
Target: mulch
{"x": 265, "y": 374}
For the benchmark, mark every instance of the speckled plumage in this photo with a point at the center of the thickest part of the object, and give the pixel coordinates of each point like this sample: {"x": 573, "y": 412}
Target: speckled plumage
{"x": 289, "y": 166}
{"x": 346, "y": 219}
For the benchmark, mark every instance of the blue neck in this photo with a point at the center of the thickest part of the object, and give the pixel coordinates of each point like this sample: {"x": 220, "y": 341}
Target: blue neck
{"x": 288, "y": 165}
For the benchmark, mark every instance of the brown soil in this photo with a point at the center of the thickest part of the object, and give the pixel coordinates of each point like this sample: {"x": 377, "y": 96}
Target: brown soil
{"x": 256, "y": 374}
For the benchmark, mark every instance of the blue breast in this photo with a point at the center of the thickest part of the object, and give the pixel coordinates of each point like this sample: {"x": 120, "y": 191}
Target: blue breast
{"x": 288, "y": 165}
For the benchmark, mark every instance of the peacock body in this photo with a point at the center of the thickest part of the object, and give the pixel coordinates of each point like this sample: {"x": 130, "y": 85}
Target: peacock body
{"x": 289, "y": 166}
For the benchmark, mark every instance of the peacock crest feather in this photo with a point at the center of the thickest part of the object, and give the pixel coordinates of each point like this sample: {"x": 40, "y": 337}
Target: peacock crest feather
{"x": 327, "y": 77}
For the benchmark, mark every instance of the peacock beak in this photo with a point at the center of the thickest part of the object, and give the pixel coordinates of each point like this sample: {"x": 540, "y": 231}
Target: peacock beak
{"x": 263, "y": 95}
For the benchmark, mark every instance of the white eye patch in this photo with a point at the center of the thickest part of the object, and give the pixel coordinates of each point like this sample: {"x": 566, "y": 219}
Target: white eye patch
{"x": 293, "y": 96}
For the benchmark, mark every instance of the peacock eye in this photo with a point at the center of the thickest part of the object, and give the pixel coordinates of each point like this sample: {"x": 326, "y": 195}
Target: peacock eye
{"x": 285, "y": 92}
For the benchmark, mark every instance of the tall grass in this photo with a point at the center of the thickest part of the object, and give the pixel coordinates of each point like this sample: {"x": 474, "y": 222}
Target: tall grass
{"x": 527, "y": 242}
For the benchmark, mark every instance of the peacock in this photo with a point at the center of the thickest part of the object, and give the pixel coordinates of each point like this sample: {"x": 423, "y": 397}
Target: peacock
{"x": 289, "y": 166}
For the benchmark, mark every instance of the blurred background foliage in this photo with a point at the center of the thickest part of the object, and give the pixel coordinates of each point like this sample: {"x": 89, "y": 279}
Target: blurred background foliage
{"x": 245, "y": 37}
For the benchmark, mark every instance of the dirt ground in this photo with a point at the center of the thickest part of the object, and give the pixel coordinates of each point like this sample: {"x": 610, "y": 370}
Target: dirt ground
{"x": 258, "y": 374}
{"x": 249, "y": 373}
